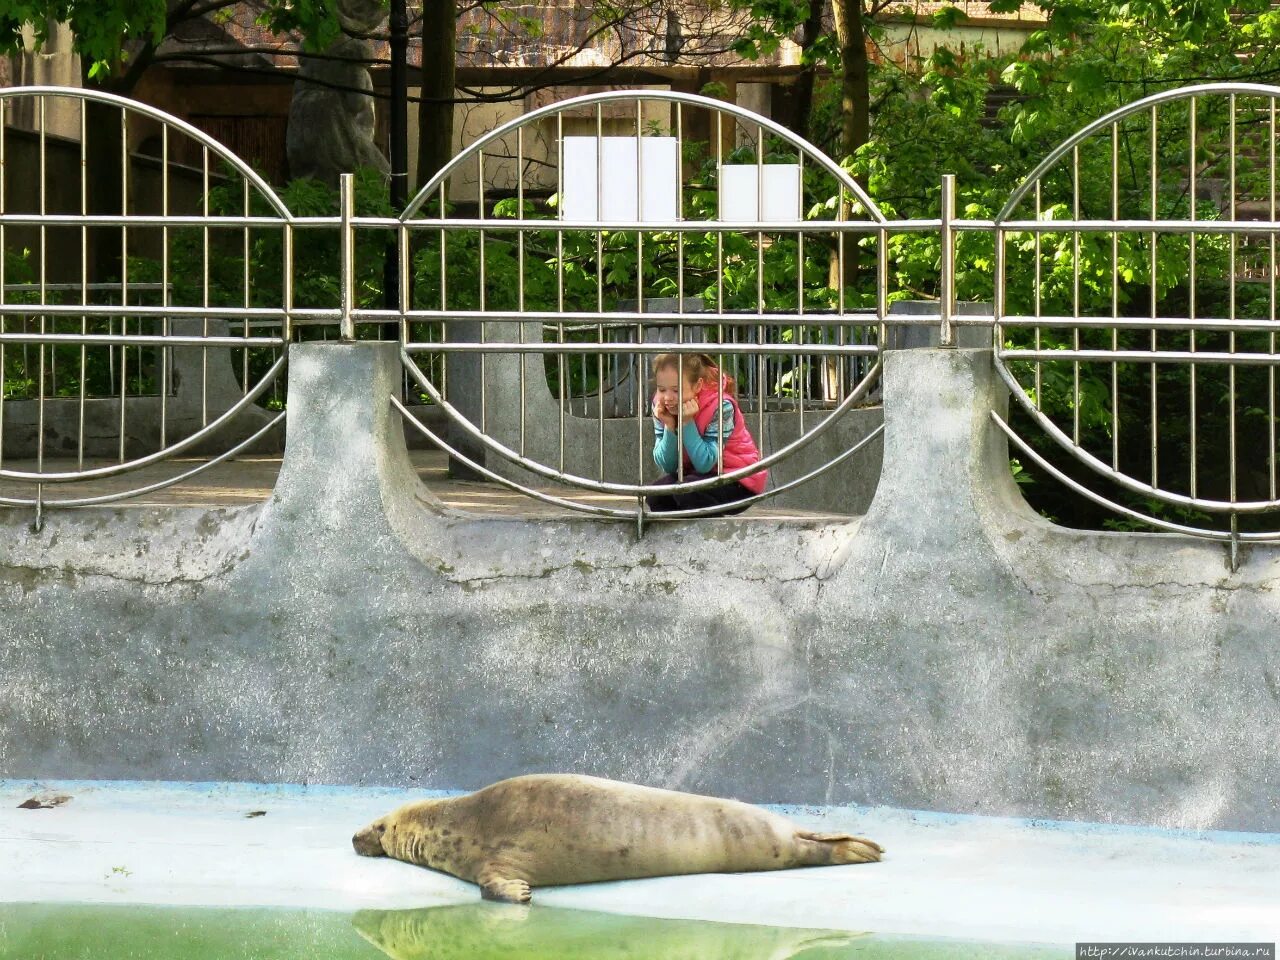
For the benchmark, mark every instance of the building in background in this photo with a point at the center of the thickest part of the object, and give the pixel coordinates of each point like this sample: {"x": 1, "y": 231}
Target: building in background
{"x": 233, "y": 79}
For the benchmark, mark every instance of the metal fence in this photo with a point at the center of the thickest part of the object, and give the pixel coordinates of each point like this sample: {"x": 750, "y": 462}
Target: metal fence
{"x": 539, "y": 273}
{"x": 620, "y": 235}
{"x": 1136, "y": 310}
{"x": 89, "y": 367}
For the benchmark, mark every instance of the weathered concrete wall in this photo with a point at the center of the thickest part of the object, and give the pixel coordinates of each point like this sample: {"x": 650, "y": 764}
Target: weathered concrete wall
{"x": 949, "y": 650}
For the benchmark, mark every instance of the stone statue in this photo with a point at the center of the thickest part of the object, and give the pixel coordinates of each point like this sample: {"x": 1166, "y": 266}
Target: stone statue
{"x": 330, "y": 124}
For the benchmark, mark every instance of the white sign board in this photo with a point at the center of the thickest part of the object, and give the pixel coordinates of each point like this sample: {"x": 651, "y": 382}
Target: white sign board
{"x": 743, "y": 193}
{"x": 649, "y": 174}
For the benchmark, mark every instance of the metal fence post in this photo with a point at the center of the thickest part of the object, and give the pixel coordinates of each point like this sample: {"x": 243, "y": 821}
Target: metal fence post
{"x": 947, "y": 293}
{"x": 346, "y": 267}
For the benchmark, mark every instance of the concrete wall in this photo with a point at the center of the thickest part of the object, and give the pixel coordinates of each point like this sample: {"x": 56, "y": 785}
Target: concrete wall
{"x": 950, "y": 650}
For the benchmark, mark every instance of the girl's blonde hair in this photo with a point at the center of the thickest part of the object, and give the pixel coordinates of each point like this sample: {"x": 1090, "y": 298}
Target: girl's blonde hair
{"x": 694, "y": 366}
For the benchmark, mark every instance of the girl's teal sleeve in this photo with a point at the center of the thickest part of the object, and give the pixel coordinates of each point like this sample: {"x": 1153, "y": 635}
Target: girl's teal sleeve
{"x": 702, "y": 453}
{"x": 664, "y": 448}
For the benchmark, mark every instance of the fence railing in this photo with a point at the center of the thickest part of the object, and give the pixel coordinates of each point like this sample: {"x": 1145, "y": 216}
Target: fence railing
{"x": 1132, "y": 292}
{"x": 115, "y": 336}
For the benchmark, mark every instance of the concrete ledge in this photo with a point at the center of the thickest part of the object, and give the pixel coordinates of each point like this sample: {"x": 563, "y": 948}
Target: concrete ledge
{"x": 975, "y": 878}
{"x": 949, "y": 651}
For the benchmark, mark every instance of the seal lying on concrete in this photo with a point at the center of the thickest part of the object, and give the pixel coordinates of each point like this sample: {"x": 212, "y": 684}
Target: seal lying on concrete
{"x": 552, "y": 829}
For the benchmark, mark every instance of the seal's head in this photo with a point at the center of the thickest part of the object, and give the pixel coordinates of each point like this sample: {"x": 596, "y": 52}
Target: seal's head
{"x": 368, "y": 842}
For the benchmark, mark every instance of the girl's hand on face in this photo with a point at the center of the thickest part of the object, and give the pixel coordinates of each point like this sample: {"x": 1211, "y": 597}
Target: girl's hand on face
{"x": 661, "y": 415}
{"x": 690, "y": 410}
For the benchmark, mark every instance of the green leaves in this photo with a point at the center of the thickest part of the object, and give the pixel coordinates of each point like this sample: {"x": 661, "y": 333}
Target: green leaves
{"x": 103, "y": 30}
{"x": 315, "y": 20}
{"x": 948, "y": 17}
{"x": 108, "y": 33}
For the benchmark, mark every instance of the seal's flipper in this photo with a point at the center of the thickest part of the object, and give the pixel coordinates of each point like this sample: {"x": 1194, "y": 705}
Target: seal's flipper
{"x": 843, "y": 847}
{"x": 496, "y": 884}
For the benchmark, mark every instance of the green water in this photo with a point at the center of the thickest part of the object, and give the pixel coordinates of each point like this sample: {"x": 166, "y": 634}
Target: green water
{"x": 477, "y": 931}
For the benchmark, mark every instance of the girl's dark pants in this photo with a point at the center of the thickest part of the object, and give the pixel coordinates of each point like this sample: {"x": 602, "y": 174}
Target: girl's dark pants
{"x": 725, "y": 496}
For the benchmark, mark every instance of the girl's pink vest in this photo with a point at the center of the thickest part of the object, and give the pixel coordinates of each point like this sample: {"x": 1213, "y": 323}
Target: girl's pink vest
{"x": 739, "y": 449}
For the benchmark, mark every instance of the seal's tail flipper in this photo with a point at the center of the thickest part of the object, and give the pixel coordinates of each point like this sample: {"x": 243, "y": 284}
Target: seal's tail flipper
{"x": 844, "y": 847}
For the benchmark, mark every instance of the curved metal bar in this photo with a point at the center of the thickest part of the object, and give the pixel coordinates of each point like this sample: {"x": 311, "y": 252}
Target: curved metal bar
{"x": 617, "y": 512}
{"x": 1105, "y": 471}
{"x": 267, "y": 379}
{"x": 611, "y": 512}
{"x": 711, "y": 511}
{"x": 631, "y": 488}
{"x": 1222, "y": 536}
{"x": 151, "y": 488}
{"x": 1084, "y": 133}
{"x": 133, "y": 106}
{"x": 631, "y": 96}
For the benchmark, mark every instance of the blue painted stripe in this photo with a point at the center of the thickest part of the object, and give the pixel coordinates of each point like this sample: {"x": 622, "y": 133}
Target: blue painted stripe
{"x": 845, "y": 812}
{"x": 1035, "y": 823}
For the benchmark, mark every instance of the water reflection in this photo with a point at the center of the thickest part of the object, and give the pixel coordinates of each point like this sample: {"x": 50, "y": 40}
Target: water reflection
{"x": 482, "y": 930}
{"x": 473, "y": 931}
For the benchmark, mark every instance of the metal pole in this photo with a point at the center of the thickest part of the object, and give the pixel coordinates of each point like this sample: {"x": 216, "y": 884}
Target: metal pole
{"x": 346, "y": 266}
{"x": 947, "y": 293}
{"x": 398, "y": 150}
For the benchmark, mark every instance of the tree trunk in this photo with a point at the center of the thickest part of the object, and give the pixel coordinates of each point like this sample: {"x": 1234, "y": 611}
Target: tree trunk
{"x": 855, "y": 111}
{"x": 802, "y": 97}
{"x": 855, "y": 86}
{"x": 435, "y": 150}
{"x": 106, "y": 151}
{"x": 435, "y": 111}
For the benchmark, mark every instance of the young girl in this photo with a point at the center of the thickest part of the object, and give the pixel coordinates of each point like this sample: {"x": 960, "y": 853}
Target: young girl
{"x": 714, "y": 434}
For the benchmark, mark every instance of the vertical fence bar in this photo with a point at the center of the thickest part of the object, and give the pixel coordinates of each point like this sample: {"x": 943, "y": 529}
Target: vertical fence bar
{"x": 761, "y": 360}
{"x": 124, "y": 277}
{"x": 719, "y": 247}
{"x": 640, "y": 218}
{"x": 43, "y": 279}
{"x": 84, "y": 291}
{"x": 1155, "y": 304}
{"x": 1075, "y": 292}
{"x": 520, "y": 279}
{"x": 43, "y": 248}
{"x": 165, "y": 298}
{"x": 801, "y": 368}
{"x": 346, "y": 257}
{"x": 286, "y": 333}
{"x": 1115, "y": 295}
{"x": 444, "y": 289}
{"x": 997, "y": 292}
{"x": 248, "y": 300}
{"x": 1271, "y": 300}
{"x": 484, "y": 292}
{"x": 599, "y": 296}
{"x": 1038, "y": 298}
{"x": 560, "y": 369}
{"x": 4, "y": 104}
{"x": 947, "y": 287}
{"x": 404, "y": 256}
{"x": 1231, "y": 308}
{"x": 204, "y": 287}
{"x": 1191, "y": 280}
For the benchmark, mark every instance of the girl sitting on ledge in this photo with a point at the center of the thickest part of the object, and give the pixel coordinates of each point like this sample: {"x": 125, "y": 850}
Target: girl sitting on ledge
{"x": 712, "y": 444}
